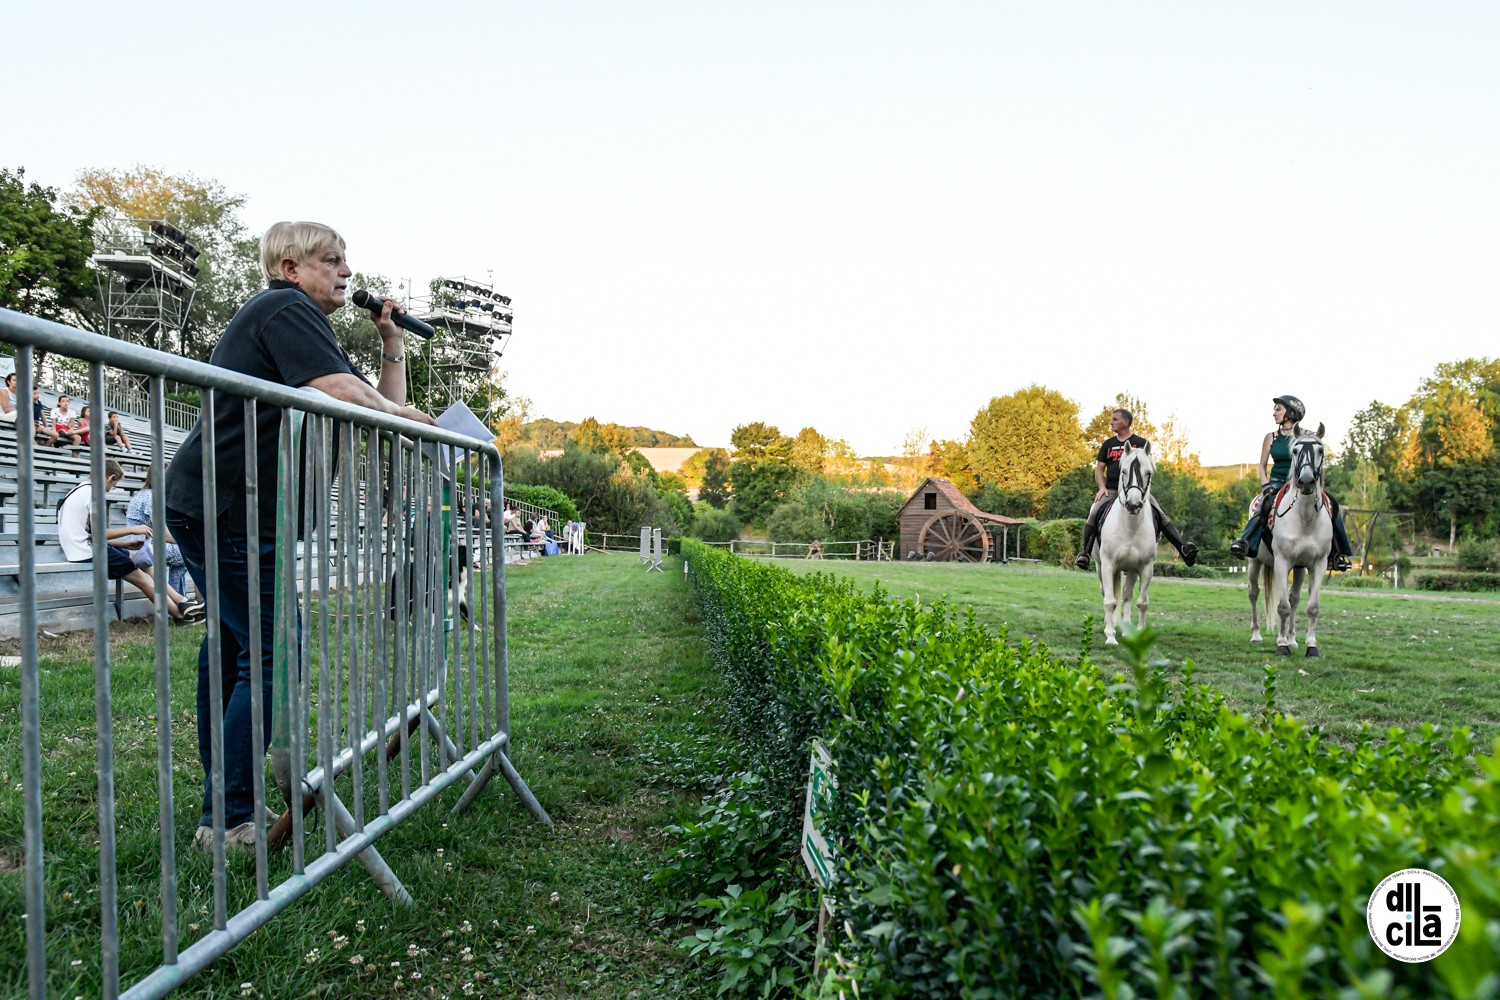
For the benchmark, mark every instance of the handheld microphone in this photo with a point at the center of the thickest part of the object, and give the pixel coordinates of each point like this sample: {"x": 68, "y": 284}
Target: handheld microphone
{"x": 404, "y": 320}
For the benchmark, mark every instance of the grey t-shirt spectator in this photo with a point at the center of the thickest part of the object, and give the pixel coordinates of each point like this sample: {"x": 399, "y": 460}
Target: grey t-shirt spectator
{"x": 279, "y": 336}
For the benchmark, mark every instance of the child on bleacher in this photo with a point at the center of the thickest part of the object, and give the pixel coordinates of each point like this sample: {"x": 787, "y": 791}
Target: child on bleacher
{"x": 114, "y": 432}
{"x": 81, "y": 426}
{"x": 65, "y": 422}
{"x": 75, "y": 536}
{"x": 38, "y": 421}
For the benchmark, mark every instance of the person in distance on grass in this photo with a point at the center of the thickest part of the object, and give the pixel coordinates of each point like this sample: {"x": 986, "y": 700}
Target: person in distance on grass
{"x": 281, "y": 335}
{"x": 1107, "y": 476}
{"x": 75, "y": 536}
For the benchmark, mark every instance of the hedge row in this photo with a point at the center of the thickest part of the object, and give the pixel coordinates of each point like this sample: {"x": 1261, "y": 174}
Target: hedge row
{"x": 1459, "y": 581}
{"x": 1013, "y": 825}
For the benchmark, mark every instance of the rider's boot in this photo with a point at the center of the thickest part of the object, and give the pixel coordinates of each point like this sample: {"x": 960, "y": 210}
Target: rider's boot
{"x": 1244, "y": 547}
{"x": 1090, "y": 536}
{"x": 1341, "y": 550}
{"x": 1169, "y": 531}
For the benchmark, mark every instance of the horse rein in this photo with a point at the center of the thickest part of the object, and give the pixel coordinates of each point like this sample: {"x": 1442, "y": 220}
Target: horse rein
{"x": 1302, "y": 456}
{"x": 1134, "y": 479}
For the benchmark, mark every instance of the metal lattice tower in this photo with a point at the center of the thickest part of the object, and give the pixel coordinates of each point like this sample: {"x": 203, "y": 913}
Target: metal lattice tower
{"x": 474, "y": 326}
{"x": 148, "y": 273}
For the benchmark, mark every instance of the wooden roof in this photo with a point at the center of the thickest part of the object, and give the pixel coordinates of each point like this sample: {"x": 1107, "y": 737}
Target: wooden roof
{"x": 956, "y": 497}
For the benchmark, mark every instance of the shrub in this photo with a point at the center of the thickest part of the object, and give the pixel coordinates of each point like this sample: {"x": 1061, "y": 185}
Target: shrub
{"x": 795, "y": 522}
{"x": 1466, "y": 582}
{"x": 1011, "y": 825}
{"x": 544, "y": 496}
{"x": 1481, "y": 556}
{"x": 710, "y": 524}
{"x": 1359, "y": 582}
{"x": 1056, "y": 541}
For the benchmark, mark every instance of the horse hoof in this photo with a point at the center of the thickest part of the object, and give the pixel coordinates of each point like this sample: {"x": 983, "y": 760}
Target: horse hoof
{"x": 1255, "y": 638}
{"x": 1283, "y": 650}
{"x": 1312, "y": 651}
{"x": 1110, "y": 640}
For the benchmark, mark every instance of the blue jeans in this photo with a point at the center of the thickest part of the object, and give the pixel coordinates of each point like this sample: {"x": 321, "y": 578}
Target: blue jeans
{"x": 234, "y": 658}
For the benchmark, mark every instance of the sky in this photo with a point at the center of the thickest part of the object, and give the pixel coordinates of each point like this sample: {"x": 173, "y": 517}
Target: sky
{"x": 868, "y": 217}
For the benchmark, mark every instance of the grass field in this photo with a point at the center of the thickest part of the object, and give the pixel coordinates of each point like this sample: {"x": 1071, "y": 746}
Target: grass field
{"x": 1388, "y": 659}
{"x": 615, "y": 722}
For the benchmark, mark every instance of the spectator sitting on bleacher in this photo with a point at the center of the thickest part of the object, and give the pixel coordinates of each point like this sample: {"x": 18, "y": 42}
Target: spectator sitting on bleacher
{"x": 38, "y": 419}
{"x": 81, "y": 426}
{"x": 64, "y": 420}
{"x": 114, "y": 433}
{"x": 542, "y": 529}
{"x": 138, "y": 513}
{"x": 512, "y": 519}
{"x": 8, "y": 400}
{"x": 75, "y": 536}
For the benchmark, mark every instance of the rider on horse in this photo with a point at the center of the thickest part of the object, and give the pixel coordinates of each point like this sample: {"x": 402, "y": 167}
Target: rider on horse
{"x": 1276, "y": 451}
{"x": 1107, "y": 475}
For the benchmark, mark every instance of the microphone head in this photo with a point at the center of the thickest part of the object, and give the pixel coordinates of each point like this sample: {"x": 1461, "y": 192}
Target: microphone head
{"x": 365, "y": 300}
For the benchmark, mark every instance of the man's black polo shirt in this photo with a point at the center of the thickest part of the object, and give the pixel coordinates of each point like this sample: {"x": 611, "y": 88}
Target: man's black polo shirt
{"x": 1110, "y": 452}
{"x": 279, "y": 336}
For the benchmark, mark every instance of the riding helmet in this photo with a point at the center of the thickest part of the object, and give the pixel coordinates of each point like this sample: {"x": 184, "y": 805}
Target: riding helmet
{"x": 1295, "y": 411}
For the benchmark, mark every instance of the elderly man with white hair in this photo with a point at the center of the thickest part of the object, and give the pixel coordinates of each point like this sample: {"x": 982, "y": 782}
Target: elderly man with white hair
{"x": 280, "y": 335}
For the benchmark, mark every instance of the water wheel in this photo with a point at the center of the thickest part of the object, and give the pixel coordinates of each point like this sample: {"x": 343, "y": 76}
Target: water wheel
{"x": 955, "y": 536}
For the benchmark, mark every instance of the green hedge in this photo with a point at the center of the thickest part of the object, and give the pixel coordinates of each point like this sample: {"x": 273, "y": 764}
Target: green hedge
{"x": 1172, "y": 568}
{"x": 1359, "y": 582}
{"x": 1013, "y": 825}
{"x": 1459, "y": 581}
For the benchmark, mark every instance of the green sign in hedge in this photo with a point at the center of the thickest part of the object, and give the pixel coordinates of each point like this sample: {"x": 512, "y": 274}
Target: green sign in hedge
{"x": 1013, "y": 825}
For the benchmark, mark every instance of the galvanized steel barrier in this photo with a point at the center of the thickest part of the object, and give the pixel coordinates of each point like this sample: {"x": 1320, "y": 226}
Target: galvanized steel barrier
{"x": 390, "y": 627}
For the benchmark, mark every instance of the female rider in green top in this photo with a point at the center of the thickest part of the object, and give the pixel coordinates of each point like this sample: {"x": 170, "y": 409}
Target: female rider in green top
{"x": 1276, "y": 450}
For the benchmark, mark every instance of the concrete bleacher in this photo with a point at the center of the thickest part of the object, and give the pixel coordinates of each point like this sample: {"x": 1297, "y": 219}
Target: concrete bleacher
{"x": 65, "y": 590}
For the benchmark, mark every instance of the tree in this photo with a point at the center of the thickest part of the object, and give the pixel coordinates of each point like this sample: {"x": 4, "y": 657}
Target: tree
{"x": 950, "y": 460}
{"x": 1027, "y": 440}
{"x": 1073, "y": 494}
{"x": 1376, "y": 435}
{"x": 1170, "y": 447}
{"x": 755, "y": 440}
{"x": 760, "y": 485}
{"x": 714, "y": 487}
{"x": 229, "y": 255}
{"x": 44, "y": 251}
{"x": 807, "y": 450}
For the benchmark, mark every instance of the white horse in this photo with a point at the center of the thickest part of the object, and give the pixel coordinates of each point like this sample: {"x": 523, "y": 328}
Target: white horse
{"x": 1299, "y": 545}
{"x": 1127, "y": 541}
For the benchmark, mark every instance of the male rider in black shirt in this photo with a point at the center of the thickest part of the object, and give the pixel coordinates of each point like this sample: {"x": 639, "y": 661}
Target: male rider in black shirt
{"x": 1107, "y": 475}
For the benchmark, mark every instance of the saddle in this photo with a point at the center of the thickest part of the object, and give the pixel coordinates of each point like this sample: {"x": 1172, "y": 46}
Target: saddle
{"x": 1268, "y": 514}
{"x": 1109, "y": 505}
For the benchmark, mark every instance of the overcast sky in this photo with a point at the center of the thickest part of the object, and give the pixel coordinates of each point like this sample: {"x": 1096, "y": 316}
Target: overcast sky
{"x": 864, "y": 217}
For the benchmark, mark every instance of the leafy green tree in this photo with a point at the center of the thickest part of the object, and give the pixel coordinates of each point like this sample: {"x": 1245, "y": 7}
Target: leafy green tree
{"x": 44, "y": 251}
{"x": 758, "y": 440}
{"x": 714, "y": 487}
{"x": 229, "y": 255}
{"x": 994, "y": 499}
{"x": 760, "y": 485}
{"x": 807, "y": 450}
{"x": 1187, "y": 502}
{"x": 1027, "y": 440}
{"x": 1072, "y": 495}
{"x": 950, "y": 460}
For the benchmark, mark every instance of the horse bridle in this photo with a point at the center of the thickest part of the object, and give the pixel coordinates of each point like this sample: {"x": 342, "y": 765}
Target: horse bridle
{"x": 1134, "y": 479}
{"x": 1302, "y": 455}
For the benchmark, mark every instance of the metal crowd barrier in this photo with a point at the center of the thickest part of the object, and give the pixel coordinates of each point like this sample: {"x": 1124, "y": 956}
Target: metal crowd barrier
{"x": 390, "y": 641}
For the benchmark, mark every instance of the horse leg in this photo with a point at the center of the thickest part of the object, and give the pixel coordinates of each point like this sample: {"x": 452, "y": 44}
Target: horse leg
{"x": 1314, "y": 592}
{"x": 1283, "y": 605}
{"x": 1298, "y": 575}
{"x": 1252, "y": 570}
{"x": 1144, "y": 602}
{"x": 1109, "y": 582}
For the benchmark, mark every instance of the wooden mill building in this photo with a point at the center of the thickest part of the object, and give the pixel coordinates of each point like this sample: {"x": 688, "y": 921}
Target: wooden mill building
{"x": 939, "y": 522}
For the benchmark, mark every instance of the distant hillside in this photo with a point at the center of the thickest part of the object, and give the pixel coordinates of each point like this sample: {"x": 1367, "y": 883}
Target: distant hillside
{"x": 547, "y": 434}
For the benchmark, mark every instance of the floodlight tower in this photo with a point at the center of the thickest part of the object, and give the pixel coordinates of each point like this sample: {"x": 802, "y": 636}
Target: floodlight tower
{"x": 474, "y": 326}
{"x": 148, "y": 273}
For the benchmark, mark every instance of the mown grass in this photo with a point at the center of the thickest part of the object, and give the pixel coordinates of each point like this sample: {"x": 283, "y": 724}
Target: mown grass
{"x": 615, "y": 724}
{"x": 1388, "y": 659}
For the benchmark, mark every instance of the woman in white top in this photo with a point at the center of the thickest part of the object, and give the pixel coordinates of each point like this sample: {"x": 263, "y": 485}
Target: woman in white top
{"x": 8, "y": 407}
